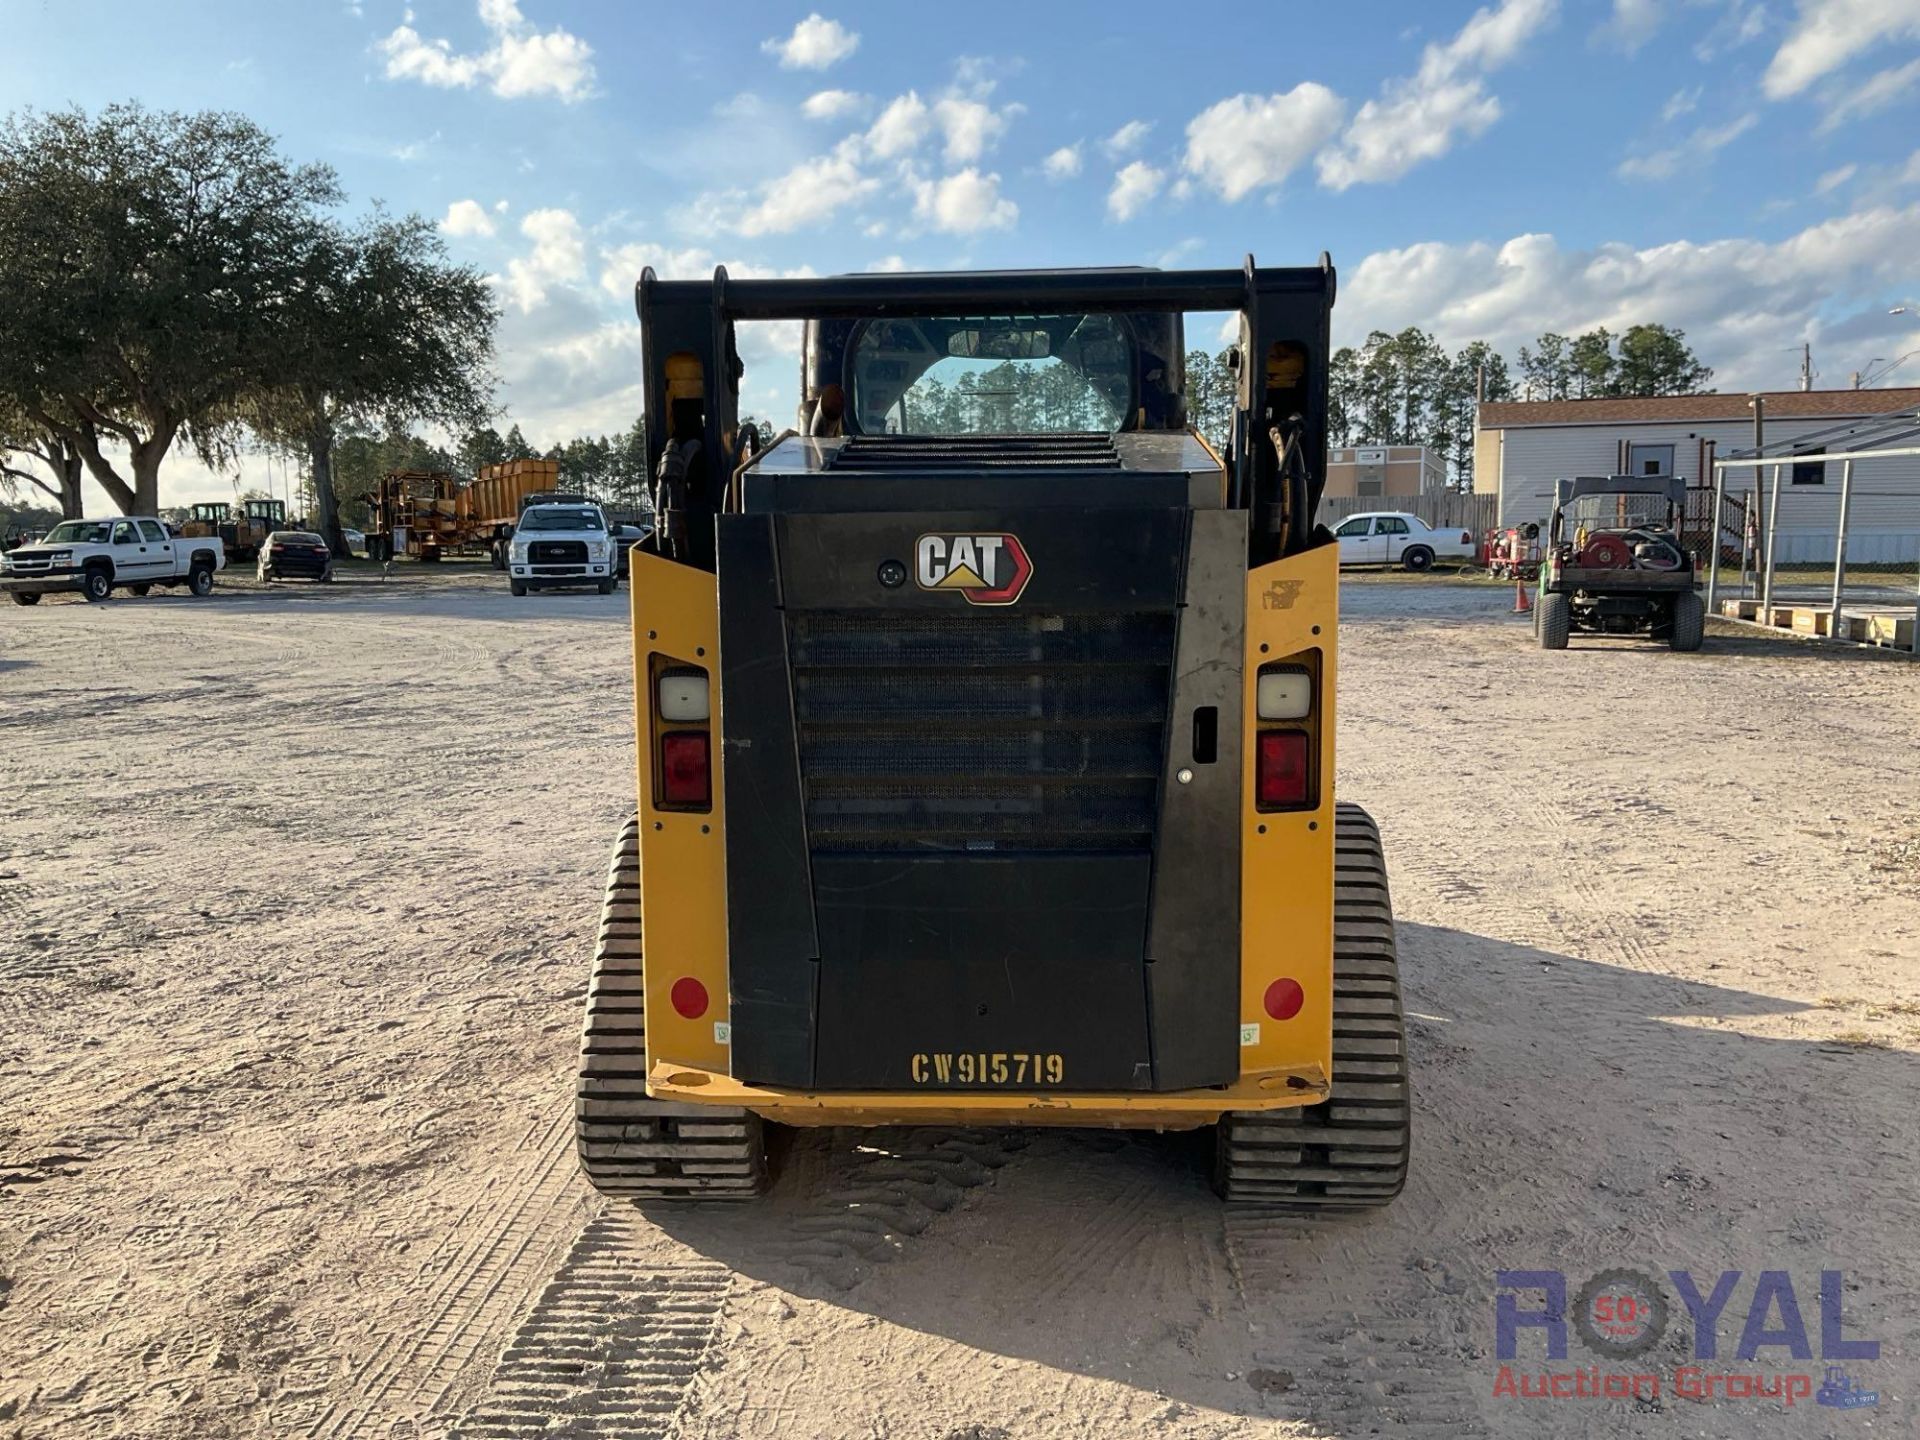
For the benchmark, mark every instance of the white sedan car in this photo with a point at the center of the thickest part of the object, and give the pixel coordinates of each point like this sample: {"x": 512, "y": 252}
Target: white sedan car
{"x": 1394, "y": 537}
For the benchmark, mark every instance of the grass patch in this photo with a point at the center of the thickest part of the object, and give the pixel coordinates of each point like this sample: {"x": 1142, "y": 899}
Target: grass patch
{"x": 1859, "y": 1040}
{"x": 1882, "y": 1009}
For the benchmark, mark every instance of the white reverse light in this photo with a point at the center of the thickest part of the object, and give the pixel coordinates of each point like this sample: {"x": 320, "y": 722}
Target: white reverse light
{"x": 1284, "y": 695}
{"x": 683, "y": 697}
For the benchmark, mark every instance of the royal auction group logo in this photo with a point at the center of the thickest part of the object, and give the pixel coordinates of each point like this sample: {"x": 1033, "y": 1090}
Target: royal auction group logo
{"x": 1648, "y": 1346}
{"x": 986, "y": 569}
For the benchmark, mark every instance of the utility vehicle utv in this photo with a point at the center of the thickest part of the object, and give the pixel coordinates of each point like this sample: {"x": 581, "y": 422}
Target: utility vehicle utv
{"x": 1615, "y": 565}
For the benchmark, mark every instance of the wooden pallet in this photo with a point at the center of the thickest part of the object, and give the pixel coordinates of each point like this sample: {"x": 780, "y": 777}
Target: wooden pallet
{"x": 1875, "y": 625}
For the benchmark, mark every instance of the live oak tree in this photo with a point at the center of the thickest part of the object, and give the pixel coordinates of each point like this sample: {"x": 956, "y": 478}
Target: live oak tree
{"x": 382, "y": 331}
{"x": 21, "y": 441}
{"x": 147, "y": 262}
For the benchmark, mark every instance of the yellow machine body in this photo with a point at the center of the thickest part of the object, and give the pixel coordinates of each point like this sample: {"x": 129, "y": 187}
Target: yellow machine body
{"x": 1287, "y": 895}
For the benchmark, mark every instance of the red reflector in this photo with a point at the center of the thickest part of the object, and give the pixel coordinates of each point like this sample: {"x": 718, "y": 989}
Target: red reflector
{"x": 689, "y": 997}
{"x": 683, "y": 769}
{"x": 1281, "y": 776}
{"x": 1284, "y": 999}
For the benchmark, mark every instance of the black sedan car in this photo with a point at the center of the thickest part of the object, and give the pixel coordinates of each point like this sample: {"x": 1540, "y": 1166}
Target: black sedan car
{"x": 289, "y": 553}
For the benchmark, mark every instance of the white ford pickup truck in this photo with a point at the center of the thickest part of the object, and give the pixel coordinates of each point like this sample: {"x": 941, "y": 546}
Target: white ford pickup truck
{"x": 562, "y": 543}
{"x": 98, "y": 557}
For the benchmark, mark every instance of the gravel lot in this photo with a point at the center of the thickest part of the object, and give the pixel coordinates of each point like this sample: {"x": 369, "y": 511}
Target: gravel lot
{"x": 296, "y": 894}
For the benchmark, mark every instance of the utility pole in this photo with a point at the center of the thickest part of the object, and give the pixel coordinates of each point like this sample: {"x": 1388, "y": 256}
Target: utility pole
{"x": 1806, "y": 365}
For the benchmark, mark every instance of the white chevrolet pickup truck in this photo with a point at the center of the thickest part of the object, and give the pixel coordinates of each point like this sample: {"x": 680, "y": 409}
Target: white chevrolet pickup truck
{"x": 98, "y": 557}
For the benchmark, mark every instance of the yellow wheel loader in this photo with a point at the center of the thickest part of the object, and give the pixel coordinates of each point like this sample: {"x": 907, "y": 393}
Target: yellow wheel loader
{"x": 986, "y": 732}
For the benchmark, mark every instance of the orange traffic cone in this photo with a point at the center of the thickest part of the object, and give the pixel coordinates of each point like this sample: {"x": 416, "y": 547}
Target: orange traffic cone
{"x": 1522, "y": 602}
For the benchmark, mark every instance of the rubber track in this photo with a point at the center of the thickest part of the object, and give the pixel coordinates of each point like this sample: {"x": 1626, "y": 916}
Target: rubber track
{"x": 630, "y": 1145}
{"x": 1351, "y": 1151}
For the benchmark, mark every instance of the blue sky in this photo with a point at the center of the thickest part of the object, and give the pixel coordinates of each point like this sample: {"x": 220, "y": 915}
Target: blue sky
{"x": 1746, "y": 169}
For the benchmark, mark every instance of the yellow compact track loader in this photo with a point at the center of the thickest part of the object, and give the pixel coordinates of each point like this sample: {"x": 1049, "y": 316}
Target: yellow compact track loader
{"x": 986, "y": 731}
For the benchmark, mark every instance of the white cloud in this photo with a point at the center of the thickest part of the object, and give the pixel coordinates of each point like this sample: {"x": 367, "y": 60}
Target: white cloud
{"x": 1877, "y": 92}
{"x": 413, "y": 149}
{"x": 806, "y": 195}
{"x": 558, "y": 256}
{"x": 1127, "y": 138}
{"x": 1683, "y": 102}
{"x": 1250, "y": 141}
{"x": 971, "y": 127}
{"x": 1834, "y": 179}
{"x": 1172, "y": 257}
{"x": 963, "y": 203}
{"x": 832, "y": 104}
{"x": 467, "y": 217}
{"x": 1062, "y": 164}
{"x": 1740, "y": 23}
{"x": 1133, "y": 187}
{"x": 888, "y": 265}
{"x": 620, "y": 266}
{"x": 1631, "y": 25}
{"x": 572, "y": 365}
{"x": 1735, "y": 298}
{"x": 1418, "y": 118}
{"x": 901, "y": 127}
{"x": 1829, "y": 33}
{"x": 1691, "y": 153}
{"x": 521, "y": 61}
{"x": 968, "y": 125}
{"x": 815, "y": 43}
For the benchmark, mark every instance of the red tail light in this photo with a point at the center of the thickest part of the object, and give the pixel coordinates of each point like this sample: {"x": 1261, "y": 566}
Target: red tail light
{"x": 1282, "y": 777}
{"x": 689, "y": 998}
{"x": 684, "y": 773}
{"x": 1284, "y": 999}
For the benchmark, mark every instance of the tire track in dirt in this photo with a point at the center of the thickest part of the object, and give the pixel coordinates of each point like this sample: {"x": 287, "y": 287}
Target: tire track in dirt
{"x": 853, "y": 1197}
{"x": 483, "y": 1277}
{"x": 612, "y": 1344}
{"x": 1394, "y": 1361}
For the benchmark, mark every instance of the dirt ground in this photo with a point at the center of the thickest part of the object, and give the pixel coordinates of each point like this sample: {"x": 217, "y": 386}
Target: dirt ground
{"x": 296, "y": 895}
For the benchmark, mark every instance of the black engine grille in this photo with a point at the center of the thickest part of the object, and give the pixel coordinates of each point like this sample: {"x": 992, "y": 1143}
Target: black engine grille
{"x": 557, "y": 552}
{"x": 1008, "y": 731}
{"x": 921, "y": 453}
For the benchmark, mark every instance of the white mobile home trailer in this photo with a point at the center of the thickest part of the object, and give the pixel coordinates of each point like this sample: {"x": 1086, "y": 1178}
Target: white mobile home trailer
{"x": 1523, "y": 447}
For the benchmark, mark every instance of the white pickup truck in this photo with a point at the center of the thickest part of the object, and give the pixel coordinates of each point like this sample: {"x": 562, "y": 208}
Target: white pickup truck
{"x": 562, "y": 543}
{"x": 98, "y": 557}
